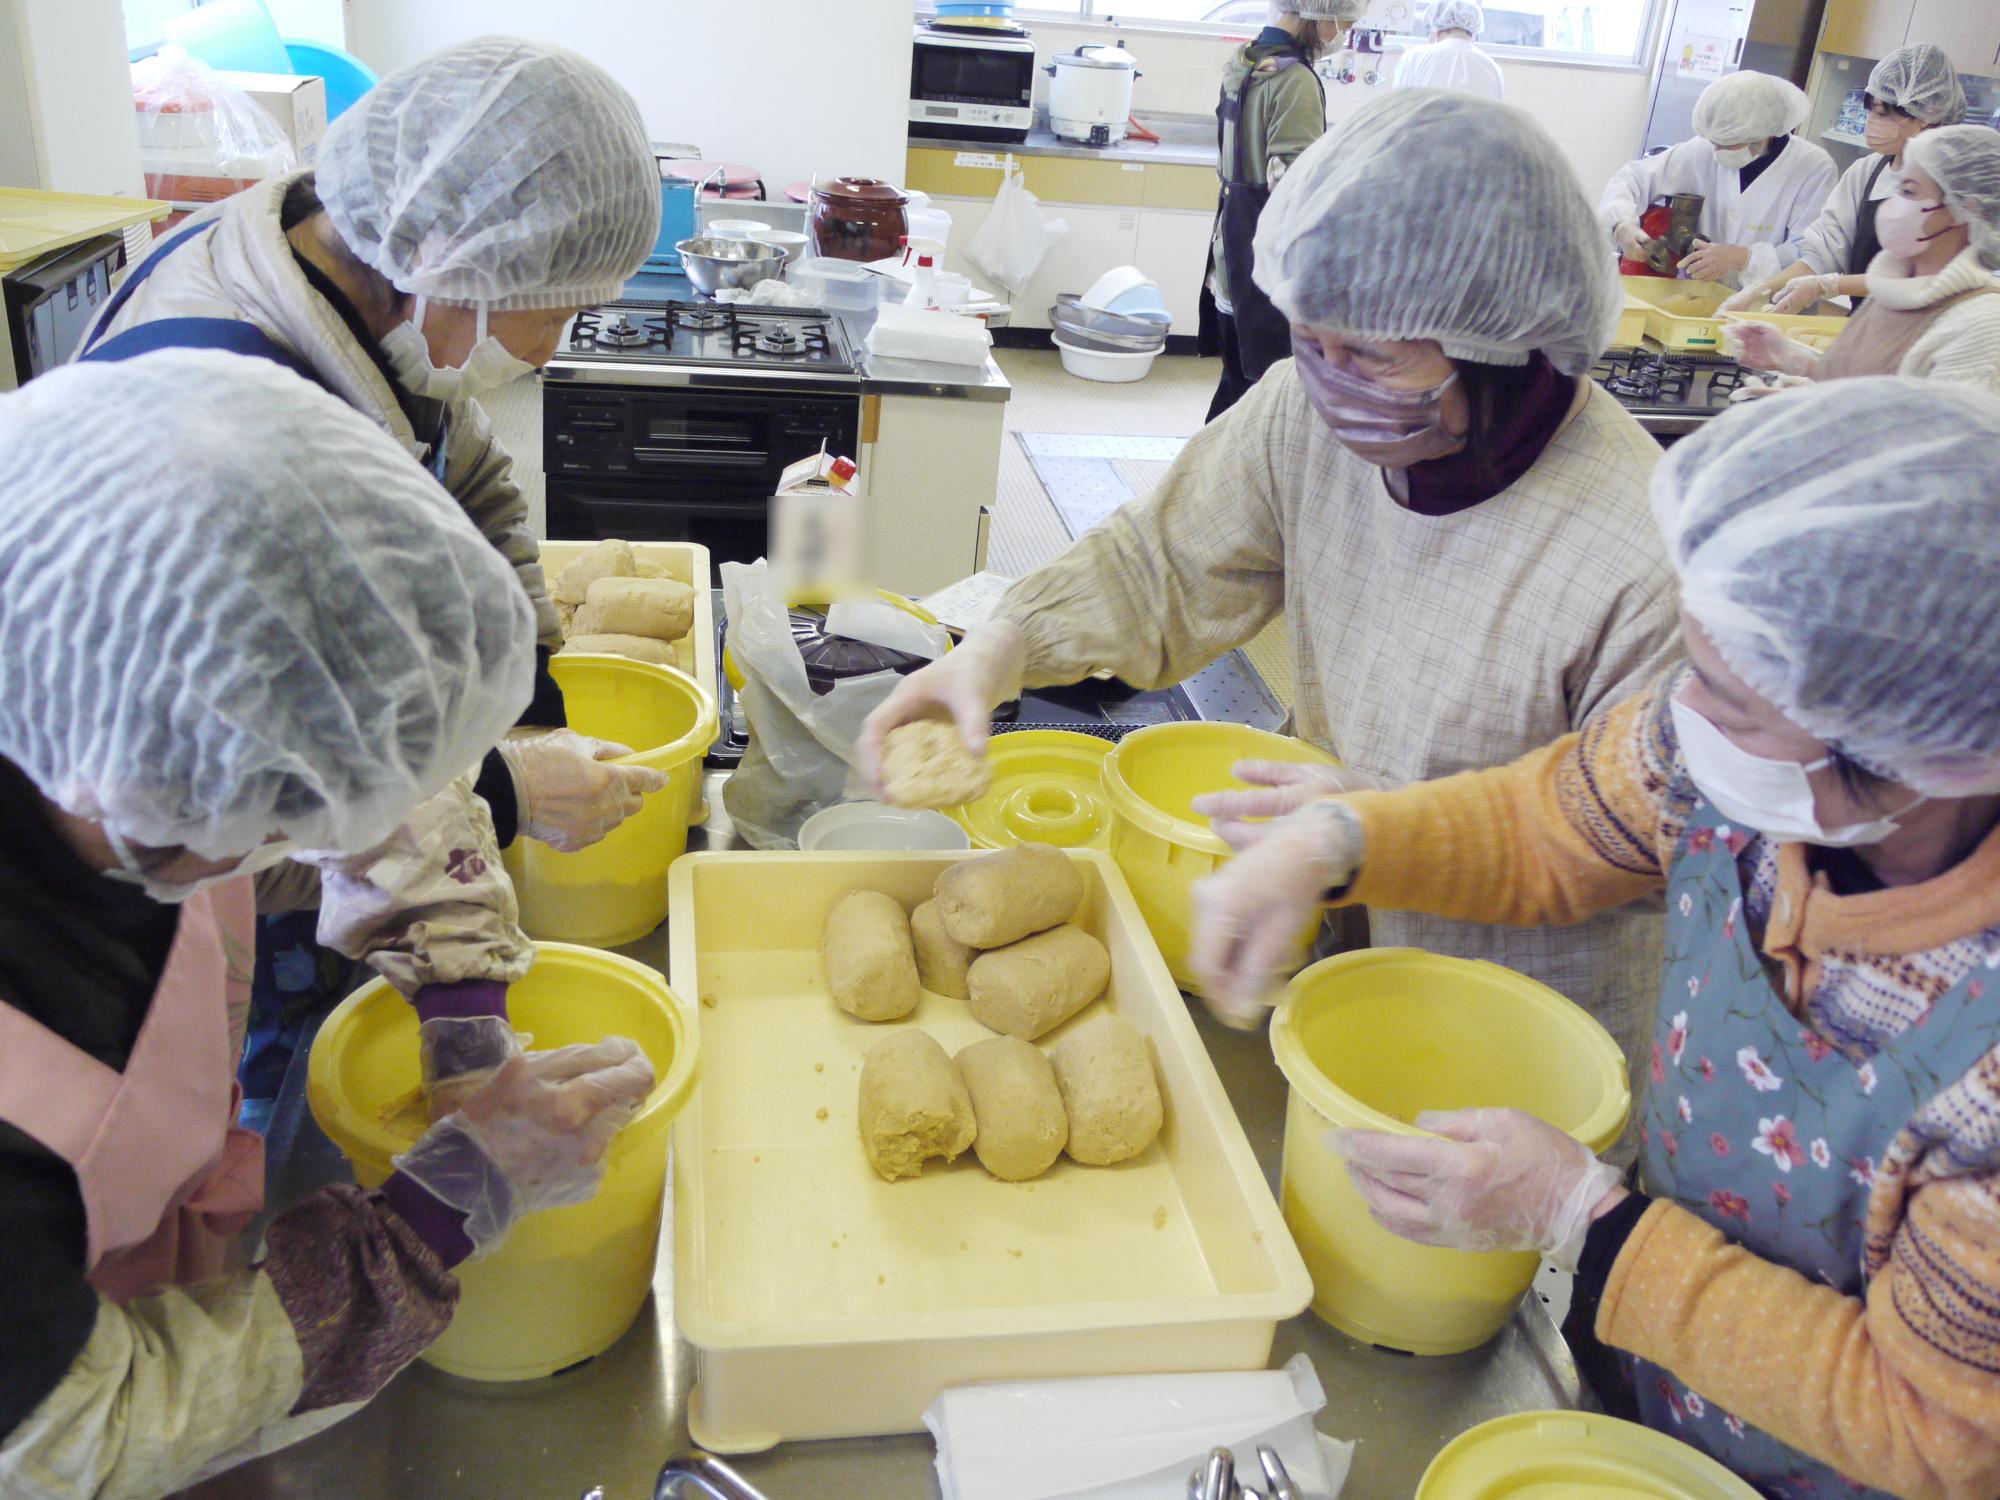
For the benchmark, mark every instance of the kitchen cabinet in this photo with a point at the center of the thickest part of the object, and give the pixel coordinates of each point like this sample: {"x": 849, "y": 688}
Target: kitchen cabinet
{"x": 1874, "y": 28}
{"x": 1967, "y": 30}
{"x": 923, "y": 530}
{"x": 1173, "y": 249}
{"x": 1099, "y": 238}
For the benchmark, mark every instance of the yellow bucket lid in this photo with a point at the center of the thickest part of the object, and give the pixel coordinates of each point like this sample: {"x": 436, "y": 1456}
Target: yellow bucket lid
{"x": 1048, "y": 788}
{"x": 1568, "y": 1455}
{"x": 1154, "y": 774}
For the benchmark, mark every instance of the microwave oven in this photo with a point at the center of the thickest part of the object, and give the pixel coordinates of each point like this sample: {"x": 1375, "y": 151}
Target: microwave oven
{"x": 968, "y": 87}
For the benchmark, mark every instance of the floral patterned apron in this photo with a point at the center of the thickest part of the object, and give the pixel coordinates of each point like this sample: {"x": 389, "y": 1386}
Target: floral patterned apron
{"x": 1755, "y": 1123}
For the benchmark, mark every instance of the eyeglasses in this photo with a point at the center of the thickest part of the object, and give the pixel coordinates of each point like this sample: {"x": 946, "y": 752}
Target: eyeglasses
{"x": 1881, "y": 109}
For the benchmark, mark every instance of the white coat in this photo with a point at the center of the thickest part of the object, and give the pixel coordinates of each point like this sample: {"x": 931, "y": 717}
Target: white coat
{"x": 1828, "y": 242}
{"x": 1453, "y": 63}
{"x": 1771, "y": 216}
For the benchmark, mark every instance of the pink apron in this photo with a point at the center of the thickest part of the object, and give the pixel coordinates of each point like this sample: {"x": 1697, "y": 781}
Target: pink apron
{"x": 167, "y": 1176}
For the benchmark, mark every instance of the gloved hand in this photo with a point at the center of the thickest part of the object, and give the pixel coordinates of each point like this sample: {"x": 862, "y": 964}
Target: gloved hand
{"x": 1763, "y": 347}
{"x": 1284, "y": 787}
{"x": 1757, "y": 391}
{"x": 1707, "y": 262}
{"x": 568, "y": 797}
{"x": 1802, "y": 293}
{"x": 460, "y": 1054}
{"x": 1500, "y": 1180}
{"x": 1750, "y": 299}
{"x": 967, "y": 684}
{"x": 1631, "y": 239}
{"x": 533, "y": 1137}
{"x": 1249, "y": 913}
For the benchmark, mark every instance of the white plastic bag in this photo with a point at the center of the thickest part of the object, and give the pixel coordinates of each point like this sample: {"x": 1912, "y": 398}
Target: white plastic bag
{"x": 1016, "y": 237}
{"x": 803, "y": 753}
{"x": 1130, "y": 1437}
{"x": 194, "y": 125}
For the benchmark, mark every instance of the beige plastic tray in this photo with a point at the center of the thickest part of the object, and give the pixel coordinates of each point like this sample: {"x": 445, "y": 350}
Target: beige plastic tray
{"x": 686, "y": 562}
{"x": 823, "y": 1302}
{"x": 1685, "y": 316}
{"x": 34, "y": 223}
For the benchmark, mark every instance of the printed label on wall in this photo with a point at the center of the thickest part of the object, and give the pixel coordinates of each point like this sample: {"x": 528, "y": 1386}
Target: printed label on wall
{"x": 984, "y": 160}
{"x": 1704, "y": 56}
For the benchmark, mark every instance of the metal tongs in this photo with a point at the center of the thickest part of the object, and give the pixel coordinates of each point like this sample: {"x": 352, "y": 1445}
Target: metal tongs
{"x": 1216, "y": 1479}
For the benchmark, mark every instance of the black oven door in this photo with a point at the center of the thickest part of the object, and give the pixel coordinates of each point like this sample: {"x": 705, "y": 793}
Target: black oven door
{"x": 957, "y": 74}
{"x": 735, "y": 527}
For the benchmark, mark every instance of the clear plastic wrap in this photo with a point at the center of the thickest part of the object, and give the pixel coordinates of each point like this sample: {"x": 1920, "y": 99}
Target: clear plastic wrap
{"x": 201, "y": 137}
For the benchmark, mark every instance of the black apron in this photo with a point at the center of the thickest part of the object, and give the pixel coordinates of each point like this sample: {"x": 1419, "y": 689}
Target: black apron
{"x": 1867, "y": 244}
{"x": 1263, "y": 335}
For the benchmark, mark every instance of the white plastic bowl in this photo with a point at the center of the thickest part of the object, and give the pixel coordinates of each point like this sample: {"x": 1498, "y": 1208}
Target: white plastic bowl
{"x": 737, "y": 229}
{"x": 1143, "y": 302}
{"x": 876, "y": 825}
{"x": 1108, "y": 288}
{"x": 788, "y": 240}
{"x": 1113, "y": 369}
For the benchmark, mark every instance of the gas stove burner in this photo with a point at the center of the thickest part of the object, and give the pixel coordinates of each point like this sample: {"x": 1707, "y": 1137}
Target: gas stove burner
{"x": 622, "y": 333}
{"x": 1649, "y": 379}
{"x": 613, "y": 330}
{"x": 700, "y": 319}
{"x": 1722, "y": 384}
{"x": 781, "y": 340}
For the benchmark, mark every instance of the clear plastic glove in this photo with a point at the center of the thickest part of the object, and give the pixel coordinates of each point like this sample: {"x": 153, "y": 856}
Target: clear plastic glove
{"x": 1631, "y": 239}
{"x": 460, "y": 1054}
{"x": 533, "y": 1137}
{"x": 1282, "y": 787}
{"x": 1762, "y": 346}
{"x": 1707, "y": 262}
{"x": 1750, "y": 299}
{"x": 966, "y": 685}
{"x": 1248, "y": 914}
{"x": 1752, "y": 390}
{"x": 1802, "y": 293}
{"x": 1500, "y": 1180}
{"x": 568, "y": 797}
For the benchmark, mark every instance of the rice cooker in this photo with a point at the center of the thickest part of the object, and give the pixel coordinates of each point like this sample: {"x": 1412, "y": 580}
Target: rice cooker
{"x": 1090, "y": 97}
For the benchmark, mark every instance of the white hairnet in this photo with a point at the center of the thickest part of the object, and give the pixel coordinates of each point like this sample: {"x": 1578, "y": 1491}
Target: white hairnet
{"x": 1320, "y": 10}
{"x": 1838, "y": 543}
{"x": 1455, "y": 15}
{"x": 1965, "y": 161}
{"x": 238, "y": 609}
{"x": 1920, "y": 80}
{"x": 1435, "y": 215}
{"x": 1739, "y": 108}
{"x": 499, "y": 171}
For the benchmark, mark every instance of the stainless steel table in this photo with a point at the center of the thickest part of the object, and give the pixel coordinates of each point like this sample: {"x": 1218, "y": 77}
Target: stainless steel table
{"x": 614, "y": 1421}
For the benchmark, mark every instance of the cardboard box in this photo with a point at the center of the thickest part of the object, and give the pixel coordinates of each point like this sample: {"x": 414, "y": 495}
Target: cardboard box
{"x": 297, "y": 104}
{"x": 178, "y": 150}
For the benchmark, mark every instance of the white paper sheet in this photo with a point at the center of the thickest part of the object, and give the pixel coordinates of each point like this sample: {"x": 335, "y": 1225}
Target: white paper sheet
{"x": 970, "y": 602}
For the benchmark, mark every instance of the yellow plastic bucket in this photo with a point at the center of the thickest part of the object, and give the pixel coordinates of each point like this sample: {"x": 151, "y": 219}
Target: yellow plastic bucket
{"x": 1151, "y": 780}
{"x": 566, "y": 1283}
{"x": 1372, "y": 1039}
{"x": 1542, "y": 1455}
{"x": 615, "y": 891}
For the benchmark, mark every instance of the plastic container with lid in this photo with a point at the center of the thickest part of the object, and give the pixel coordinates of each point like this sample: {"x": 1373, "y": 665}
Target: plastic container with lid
{"x": 1048, "y": 788}
{"x": 1539, "y": 1455}
{"x": 1372, "y": 1039}
{"x": 839, "y": 286}
{"x": 1151, "y": 780}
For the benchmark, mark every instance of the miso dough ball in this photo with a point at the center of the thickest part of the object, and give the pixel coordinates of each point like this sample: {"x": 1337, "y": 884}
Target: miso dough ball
{"x": 648, "y": 567}
{"x": 1029, "y": 988}
{"x": 999, "y": 899}
{"x": 605, "y": 560}
{"x": 565, "y": 615}
{"x": 656, "y": 607}
{"x": 638, "y": 647}
{"x": 1017, "y": 1106}
{"x": 1109, "y": 1091}
{"x": 926, "y": 764}
{"x": 914, "y": 1105}
{"x": 941, "y": 958}
{"x": 871, "y": 965}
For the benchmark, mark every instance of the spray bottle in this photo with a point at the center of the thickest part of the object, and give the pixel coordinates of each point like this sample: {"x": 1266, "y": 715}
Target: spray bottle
{"x": 923, "y": 292}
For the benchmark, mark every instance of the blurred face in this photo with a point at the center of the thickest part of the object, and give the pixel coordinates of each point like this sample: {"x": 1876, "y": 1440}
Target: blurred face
{"x": 1889, "y": 129}
{"x": 1396, "y": 365}
{"x": 529, "y": 334}
{"x": 1330, "y": 33}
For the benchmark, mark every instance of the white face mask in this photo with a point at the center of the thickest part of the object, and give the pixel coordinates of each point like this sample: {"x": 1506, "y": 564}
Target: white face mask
{"x": 1771, "y": 797}
{"x": 173, "y": 893}
{"x": 1735, "y": 158}
{"x": 488, "y": 367}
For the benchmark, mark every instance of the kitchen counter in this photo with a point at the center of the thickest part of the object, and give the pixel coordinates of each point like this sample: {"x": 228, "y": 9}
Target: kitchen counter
{"x": 614, "y": 1421}
{"x": 1185, "y": 141}
{"x": 922, "y": 377}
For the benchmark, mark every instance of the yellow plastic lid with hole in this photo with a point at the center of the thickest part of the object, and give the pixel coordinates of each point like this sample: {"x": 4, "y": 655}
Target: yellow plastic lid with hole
{"x": 1047, "y": 789}
{"x": 1569, "y": 1455}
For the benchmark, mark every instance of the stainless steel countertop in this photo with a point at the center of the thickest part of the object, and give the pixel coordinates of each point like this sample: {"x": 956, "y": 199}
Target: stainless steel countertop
{"x": 614, "y": 1421}
{"x": 1185, "y": 141}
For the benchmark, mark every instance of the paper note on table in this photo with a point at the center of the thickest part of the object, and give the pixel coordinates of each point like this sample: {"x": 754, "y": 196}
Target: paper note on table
{"x": 969, "y": 602}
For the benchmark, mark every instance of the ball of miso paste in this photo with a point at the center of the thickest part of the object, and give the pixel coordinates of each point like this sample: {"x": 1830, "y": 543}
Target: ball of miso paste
{"x": 870, "y": 961}
{"x": 1016, "y": 1105}
{"x": 914, "y": 1105}
{"x": 1001, "y": 898}
{"x": 1109, "y": 1090}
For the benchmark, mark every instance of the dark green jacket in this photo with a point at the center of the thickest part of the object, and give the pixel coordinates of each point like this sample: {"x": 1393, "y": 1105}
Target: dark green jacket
{"x": 1284, "y": 113}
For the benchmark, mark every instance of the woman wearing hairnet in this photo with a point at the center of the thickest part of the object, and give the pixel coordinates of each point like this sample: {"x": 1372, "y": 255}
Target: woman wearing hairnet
{"x": 460, "y": 213}
{"x": 1933, "y": 305}
{"x": 1760, "y": 185}
{"x": 1451, "y": 59}
{"x": 1449, "y": 515}
{"x": 1910, "y": 91}
{"x": 1807, "y": 1283}
{"x": 1273, "y": 107}
{"x": 218, "y": 655}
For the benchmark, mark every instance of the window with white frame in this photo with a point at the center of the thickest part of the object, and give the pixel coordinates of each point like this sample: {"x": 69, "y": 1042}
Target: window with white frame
{"x": 1604, "y": 31}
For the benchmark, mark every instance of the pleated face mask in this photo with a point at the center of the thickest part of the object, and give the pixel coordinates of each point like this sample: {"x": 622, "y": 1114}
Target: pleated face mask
{"x": 1389, "y": 428}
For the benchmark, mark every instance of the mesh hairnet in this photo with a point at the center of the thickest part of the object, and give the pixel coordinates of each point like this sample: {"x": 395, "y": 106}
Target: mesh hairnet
{"x": 1320, "y": 10}
{"x": 1373, "y": 232}
{"x": 499, "y": 170}
{"x": 1920, "y": 80}
{"x": 1965, "y": 161}
{"x": 1838, "y": 543}
{"x": 240, "y": 609}
{"x": 1455, "y": 15}
{"x": 1743, "y": 107}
